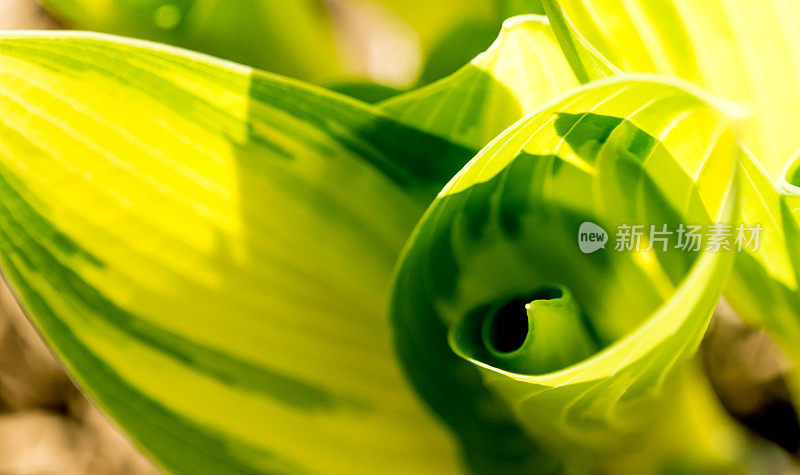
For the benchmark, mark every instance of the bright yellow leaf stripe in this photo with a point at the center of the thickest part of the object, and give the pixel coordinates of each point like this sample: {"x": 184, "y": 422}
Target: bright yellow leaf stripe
{"x": 207, "y": 249}
{"x": 746, "y": 51}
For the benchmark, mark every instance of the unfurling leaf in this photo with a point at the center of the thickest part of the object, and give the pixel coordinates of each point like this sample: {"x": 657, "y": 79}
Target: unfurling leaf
{"x": 726, "y": 47}
{"x": 747, "y": 52}
{"x": 496, "y": 260}
{"x": 520, "y": 72}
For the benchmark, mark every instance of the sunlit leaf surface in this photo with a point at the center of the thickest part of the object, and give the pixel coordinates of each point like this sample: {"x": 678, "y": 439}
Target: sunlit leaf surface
{"x": 748, "y": 52}
{"x": 613, "y": 325}
{"x": 207, "y": 249}
{"x": 521, "y": 71}
{"x": 715, "y": 45}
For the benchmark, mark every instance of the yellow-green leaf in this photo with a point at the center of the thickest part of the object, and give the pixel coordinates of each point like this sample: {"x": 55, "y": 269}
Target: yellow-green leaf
{"x": 747, "y": 52}
{"x": 521, "y": 71}
{"x": 207, "y": 249}
{"x": 504, "y": 232}
{"x": 723, "y": 54}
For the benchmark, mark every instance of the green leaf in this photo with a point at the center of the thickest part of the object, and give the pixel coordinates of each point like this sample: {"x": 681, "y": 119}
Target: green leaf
{"x": 521, "y": 71}
{"x": 503, "y": 233}
{"x": 764, "y": 285}
{"x": 585, "y": 61}
{"x": 746, "y": 52}
{"x": 368, "y": 92}
{"x": 463, "y": 41}
{"x": 207, "y": 249}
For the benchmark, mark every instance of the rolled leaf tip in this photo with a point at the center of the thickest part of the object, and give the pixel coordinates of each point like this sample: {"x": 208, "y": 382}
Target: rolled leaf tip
{"x": 535, "y": 333}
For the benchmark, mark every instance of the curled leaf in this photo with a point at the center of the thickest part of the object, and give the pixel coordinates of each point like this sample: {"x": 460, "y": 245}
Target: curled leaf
{"x": 496, "y": 260}
{"x": 521, "y": 71}
{"x": 748, "y": 52}
{"x": 724, "y": 46}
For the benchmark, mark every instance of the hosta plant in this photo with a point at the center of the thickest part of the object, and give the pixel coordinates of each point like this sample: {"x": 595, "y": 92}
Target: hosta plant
{"x": 252, "y": 274}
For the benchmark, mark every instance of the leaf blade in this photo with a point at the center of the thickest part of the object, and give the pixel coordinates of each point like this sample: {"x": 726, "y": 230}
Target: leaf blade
{"x": 723, "y": 46}
{"x": 484, "y": 241}
{"x": 161, "y": 214}
{"x": 522, "y": 70}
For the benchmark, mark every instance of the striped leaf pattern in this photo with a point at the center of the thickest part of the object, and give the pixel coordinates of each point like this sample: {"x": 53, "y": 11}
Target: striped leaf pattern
{"x": 520, "y": 72}
{"x": 748, "y": 52}
{"x": 160, "y": 222}
{"x": 730, "y": 47}
{"x": 504, "y": 232}
{"x": 208, "y": 247}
